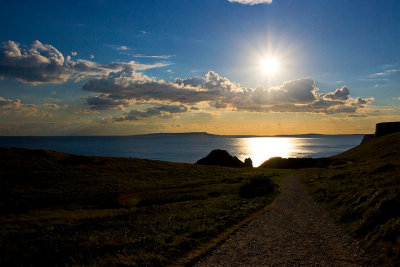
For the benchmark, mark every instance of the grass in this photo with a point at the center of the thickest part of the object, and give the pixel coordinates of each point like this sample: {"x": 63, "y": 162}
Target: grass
{"x": 361, "y": 189}
{"x": 62, "y": 209}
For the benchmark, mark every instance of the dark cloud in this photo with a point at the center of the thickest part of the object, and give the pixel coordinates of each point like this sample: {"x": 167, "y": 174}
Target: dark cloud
{"x": 105, "y": 101}
{"x": 163, "y": 111}
{"x": 43, "y": 63}
{"x": 296, "y": 91}
{"x": 357, "y": 116}
{"x": 339, "y": 94}
{"x": 129, "y": 86}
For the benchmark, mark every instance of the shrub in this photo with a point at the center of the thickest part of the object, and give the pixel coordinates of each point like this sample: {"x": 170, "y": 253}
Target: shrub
{"x": 257, "y": 186}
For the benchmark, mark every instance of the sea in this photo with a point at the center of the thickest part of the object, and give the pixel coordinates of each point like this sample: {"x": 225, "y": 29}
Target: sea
{"x": 190, "y": 147}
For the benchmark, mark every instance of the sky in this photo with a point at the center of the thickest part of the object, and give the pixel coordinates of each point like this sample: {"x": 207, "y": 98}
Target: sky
{"x": 260, "y": 67}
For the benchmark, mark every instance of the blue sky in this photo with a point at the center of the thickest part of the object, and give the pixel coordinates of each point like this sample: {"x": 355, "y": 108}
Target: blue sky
{"x": 128, "y": 67}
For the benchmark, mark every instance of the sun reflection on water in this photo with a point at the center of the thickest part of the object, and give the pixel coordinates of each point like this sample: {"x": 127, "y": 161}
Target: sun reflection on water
{"x": 260, "y": 149}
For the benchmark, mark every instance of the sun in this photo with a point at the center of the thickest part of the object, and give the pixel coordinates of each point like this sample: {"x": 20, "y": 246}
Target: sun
{"x": 269, "y": 65}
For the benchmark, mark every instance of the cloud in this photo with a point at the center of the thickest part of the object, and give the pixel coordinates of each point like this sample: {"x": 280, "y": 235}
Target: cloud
{"x": 122, "y": 48}
{"x": 298, "y": 91}
{"x": 251, "y": 2}
{"x": 74, "y": 54}
{"x": 106, "y": 102}
{"x": 43, "y": 63}
{"x": 357, "y": 116}
{"x": 339, "y": 94}
{"x": 119, "y": 90}
{"x": 15, "y": 106}
{"x": 50, "y": 106}
{"x": 163, "y": 111}
{"x": 384, "y": 74}
{"x": 86, "y": 111}
{"x": 144, "y": 56}
{"x": 9, "y": 106}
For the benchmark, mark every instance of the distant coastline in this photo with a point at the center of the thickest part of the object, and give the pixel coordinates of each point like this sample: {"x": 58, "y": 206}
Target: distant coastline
{"x": 309, "y": 135}
{"x": 183, "y": 134}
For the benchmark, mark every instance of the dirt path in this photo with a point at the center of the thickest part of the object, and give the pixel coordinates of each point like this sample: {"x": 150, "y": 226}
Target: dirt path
{"x": 294, "y": 231}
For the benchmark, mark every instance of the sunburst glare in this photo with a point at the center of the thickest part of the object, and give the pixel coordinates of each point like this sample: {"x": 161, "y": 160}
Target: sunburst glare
{"x": 260, "y": 149}
{"x": 269, "y": 65}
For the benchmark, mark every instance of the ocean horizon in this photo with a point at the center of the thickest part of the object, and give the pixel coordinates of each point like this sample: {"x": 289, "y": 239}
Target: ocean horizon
{"x": 190, "y": 147}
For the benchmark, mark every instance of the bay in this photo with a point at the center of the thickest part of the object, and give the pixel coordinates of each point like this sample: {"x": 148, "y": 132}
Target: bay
{"x": 189, "y": 148}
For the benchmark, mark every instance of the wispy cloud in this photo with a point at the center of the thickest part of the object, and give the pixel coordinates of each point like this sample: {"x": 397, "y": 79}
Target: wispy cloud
{"x": 384, "y": 74}
{"x": 122, "y": 48}
{"x": 145, "y": 56}
{"x": 251, "y": 2}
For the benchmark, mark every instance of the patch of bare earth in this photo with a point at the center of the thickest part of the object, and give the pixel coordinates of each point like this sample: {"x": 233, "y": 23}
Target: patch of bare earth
{"x": 293, "y": 231}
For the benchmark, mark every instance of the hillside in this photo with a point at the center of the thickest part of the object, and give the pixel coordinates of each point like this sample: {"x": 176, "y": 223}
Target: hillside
{"x": 361, "y": 189}
{"x": 63, "y": 209}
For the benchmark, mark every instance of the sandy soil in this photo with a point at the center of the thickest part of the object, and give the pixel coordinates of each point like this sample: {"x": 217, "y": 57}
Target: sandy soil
{"x": 293, "y": 231}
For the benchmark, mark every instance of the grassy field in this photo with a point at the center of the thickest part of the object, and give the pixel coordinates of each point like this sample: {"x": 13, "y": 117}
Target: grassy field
{"x": 62, "y": 209}
{"x": 361, "y": 189}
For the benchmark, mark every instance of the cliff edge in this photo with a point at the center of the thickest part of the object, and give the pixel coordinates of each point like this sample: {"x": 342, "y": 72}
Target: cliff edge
{"x": 381, "y": 129}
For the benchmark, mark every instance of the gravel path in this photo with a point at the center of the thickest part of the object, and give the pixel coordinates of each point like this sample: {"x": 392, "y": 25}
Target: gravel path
{"x": 293, "y": 231}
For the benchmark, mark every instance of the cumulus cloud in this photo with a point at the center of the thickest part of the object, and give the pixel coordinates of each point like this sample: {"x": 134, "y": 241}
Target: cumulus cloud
{"x": 43, "y": 63}
{"x": 15, "y": 106}
{"x": 296, "y": 91}
{"x": 50, "y": 106}
{"x": 119, "y": 90}
{"x": 251, "y": 2}
{"x": 339, "y": 94}
{"x": 163, "y": 111}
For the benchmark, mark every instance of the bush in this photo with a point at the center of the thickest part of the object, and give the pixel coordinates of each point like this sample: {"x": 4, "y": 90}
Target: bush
{"x": 257, "y": 186}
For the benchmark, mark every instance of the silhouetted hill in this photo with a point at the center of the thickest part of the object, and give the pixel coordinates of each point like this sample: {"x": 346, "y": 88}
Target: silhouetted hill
{"x": 295, "y": 163}
{"x": 362, "y": 191}
{"x": 59, "y": 209}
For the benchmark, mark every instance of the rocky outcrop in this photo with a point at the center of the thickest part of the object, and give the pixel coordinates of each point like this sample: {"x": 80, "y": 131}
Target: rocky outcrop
{"x": 248, "y": 163}
{"x": 221, "y": 157}
{"x": 381, "y": 129}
